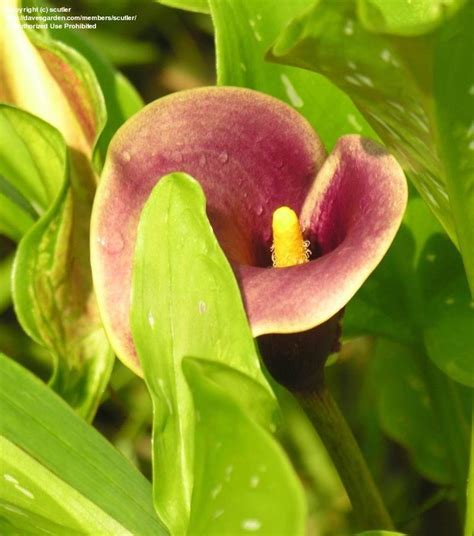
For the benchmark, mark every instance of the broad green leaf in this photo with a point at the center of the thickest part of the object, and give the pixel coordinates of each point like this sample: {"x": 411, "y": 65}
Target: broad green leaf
{"x": 58, "y": 474}
{"x": 406, "y": 408}
{"x": 201, "y": 327}
{"x": 406, "y": 17}
{"x": 14, "y": 220}
{"x": 419, "y": 294}
{"x": 236, "y": 457}
{"x": 199, "y": 6}
{"x": 454, "y": 109}
{"x": 382, "y": 306}
{"x": 52, "y": 286}
{"x": 420, "y": 286}
{"x": 447, "y": 311}
{"x": 401, "y": 87}
{"x": 245, "y": 30}
{"x": 391, "y": 303}
{"x": 32, "y": 171}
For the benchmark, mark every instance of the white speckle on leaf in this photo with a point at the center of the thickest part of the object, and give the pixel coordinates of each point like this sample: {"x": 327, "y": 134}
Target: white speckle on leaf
{"x": 25, "y": 491}
{"x": 386, "y": 55}
{"x": 352, "y": 65}
{"x": 471, "y": 90}
{"x": 254, "y": 481}
{"x": 293, "y": 96}
{"x": 14, "y": 509}
{"x": 352, "y": 80}
{"x": 349, "y": 27}
{"x": 217, "y": 514}
{"x": 353, "y": 122}
{"x": 431, "y": 257}
{"x": 228, "y": 472}
{"x": 397, "y": 106}
{"x": 256, "y": 34}
{"x": 10, "y": 478}
{"x": 365, "y": 80}
{"x": 202, "y": 307}
{"x": 216, "y": 490}
{"x": 251, "y": 524}
{"x": 151, "y": 320}
{"x": 243, "y": 67}
{"x": 422, "y": 124}
{"x": 449, "y": 301}
{"x": 471, "y": 145}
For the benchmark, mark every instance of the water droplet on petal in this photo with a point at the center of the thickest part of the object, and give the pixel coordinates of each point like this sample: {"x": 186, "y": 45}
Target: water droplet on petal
{"x": 112, "y": 243}
{"x": 279, "y": 163}
{"x": 178, "y": 157}
{"x": 259, "y": 210}
{"x": 223, "y": 157}
{"x": 126, "y": 156}
{"x": 202, "y": 307}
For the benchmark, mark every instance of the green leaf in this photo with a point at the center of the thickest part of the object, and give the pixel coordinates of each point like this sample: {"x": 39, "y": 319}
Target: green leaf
{"x": 31, "y": 174}
{"x": 406, "y": 17}
{"x": 406, "y": 408}
{"x": 212, "y": 405}
{"x": 235, "y": 456}
{"x": 52, "y": 285}
{"x": 381, "y": 307}
{"x": 244, "y": 32}
{"x": 59, "y": 475}
{"x": 414, "y": 91}
{"x": 14, "y": 220}
{"x": 420, "y": 286}
{"x": 199, "y": 6}
{"x": 454, "y": 96}
{"x": 446, "y": 310}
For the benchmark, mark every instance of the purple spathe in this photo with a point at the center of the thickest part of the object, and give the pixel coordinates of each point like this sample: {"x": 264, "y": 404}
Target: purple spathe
{"x": 252, "y": 154}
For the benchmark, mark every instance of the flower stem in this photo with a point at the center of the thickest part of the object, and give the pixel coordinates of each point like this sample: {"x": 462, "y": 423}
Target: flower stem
{"x": 322, "y": 410}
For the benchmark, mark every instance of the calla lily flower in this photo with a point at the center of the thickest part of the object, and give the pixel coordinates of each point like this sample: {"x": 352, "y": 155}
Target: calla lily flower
{"x": 252, "y": 154}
